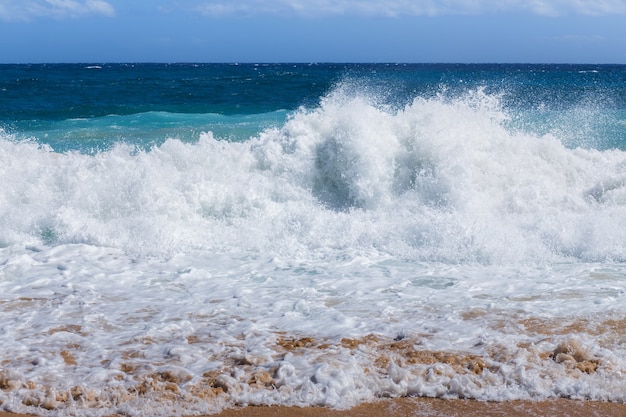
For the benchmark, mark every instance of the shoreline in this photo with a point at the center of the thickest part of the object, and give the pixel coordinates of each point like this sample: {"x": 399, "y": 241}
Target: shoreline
{"x": 431, "y": 407}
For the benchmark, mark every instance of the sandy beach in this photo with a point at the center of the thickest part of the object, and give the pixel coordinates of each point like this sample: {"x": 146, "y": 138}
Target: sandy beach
{"x": 401, "y": 407}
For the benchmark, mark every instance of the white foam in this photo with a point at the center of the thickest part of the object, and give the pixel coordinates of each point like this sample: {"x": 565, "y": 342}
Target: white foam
{"x": 432, "y": 223}
{"x": 437, "y": 180}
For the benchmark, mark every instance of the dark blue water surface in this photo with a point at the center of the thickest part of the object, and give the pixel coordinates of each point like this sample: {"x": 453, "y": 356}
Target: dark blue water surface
{"x": 89, "y": 106}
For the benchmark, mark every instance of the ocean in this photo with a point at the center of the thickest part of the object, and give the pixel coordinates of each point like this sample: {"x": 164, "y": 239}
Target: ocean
{"x": 178, "y": 239}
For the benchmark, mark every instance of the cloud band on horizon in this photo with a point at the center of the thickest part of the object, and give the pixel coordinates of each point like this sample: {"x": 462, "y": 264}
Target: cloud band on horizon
{"x": 395, "y": 8}
{"x": 24, "y": 10}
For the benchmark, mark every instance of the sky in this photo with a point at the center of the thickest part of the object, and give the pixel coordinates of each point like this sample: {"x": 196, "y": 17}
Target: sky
{"x": 460, "y": 31}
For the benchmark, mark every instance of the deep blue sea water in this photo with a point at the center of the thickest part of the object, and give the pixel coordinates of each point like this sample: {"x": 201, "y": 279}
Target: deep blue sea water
{"x": 89, "y": 107}
{"x": 183, "y": 238}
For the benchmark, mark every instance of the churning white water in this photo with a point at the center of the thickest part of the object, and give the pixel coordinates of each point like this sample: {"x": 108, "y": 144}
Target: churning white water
{"x": 314, "y": 264}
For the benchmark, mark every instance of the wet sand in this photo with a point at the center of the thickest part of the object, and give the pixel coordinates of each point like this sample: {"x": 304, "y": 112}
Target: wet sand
{"x": 570, "y": 355}
{"x": 418, "y": 407}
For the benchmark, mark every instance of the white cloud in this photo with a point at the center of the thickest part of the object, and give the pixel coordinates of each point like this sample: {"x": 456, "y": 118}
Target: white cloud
{"x": 391, "y": 8}
{"x": 29, "y": 9}
{"x": 580, "y": 7}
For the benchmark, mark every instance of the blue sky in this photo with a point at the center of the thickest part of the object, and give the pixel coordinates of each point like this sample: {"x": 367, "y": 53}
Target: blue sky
{"x": 538, "y": 31}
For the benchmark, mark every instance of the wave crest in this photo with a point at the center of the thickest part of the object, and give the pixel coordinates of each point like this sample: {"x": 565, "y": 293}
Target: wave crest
{"x": 440, "y": 179}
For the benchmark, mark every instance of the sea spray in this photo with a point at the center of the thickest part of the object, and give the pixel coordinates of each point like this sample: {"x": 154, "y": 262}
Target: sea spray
{"x": 437, "y": 180}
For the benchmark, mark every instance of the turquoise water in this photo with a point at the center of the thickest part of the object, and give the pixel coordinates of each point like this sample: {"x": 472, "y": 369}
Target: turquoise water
{"x": 90, "y": 107}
